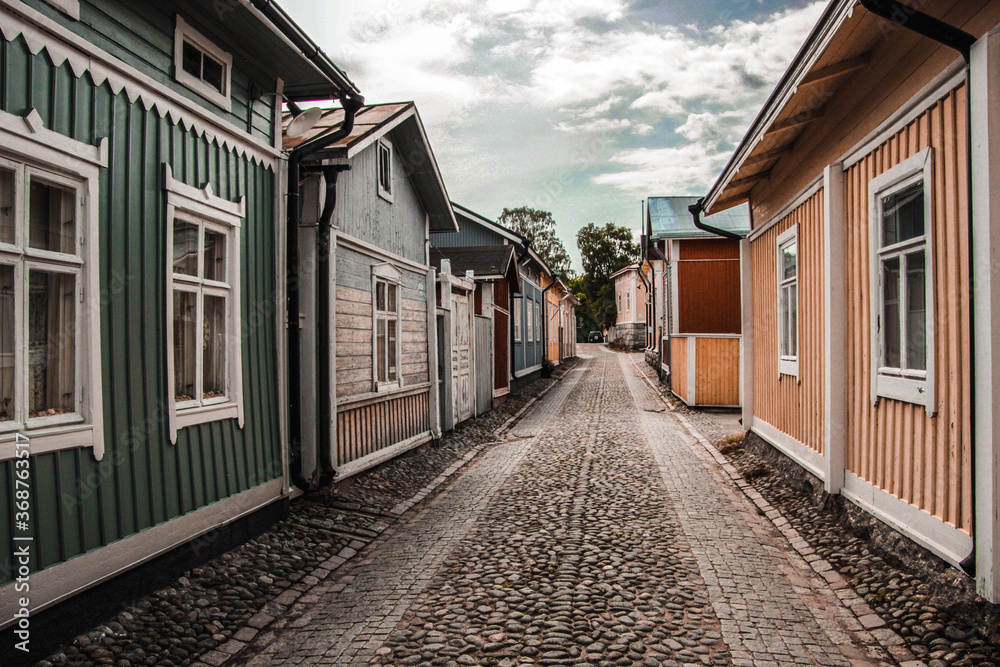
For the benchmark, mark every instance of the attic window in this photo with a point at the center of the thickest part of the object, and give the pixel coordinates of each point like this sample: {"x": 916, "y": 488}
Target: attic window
{"x": 201, "y": 65}
{"x": 384, "y": 148}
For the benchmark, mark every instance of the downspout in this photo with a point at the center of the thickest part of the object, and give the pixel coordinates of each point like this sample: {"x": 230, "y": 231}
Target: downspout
{"x": 324, "y": 394}
{"x": 961, "y": 41}
{"x": 696, "y": 210}
{"x": 351, "y": 104}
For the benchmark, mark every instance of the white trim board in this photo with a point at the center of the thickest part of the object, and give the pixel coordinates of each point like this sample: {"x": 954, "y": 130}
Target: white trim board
{"x": 382, "y": 455}
{"x": 60, "y": 582}
{"x": 808, "y": 458}
{"x": 928, "y": 531}
{"x": 804, "y": 195}
{"x": 375, "y": 252}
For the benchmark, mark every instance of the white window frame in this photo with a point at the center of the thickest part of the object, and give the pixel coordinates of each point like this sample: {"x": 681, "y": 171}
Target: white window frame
{"x": 184, "y": 32}
{"x": 518, "y": 304}
{"x": 384, "y": 147}
{"x": 387, "y": 273}
{"x": 538, "y": 322}
{"x": 789, "y": 364}
{"x": 529, "y": 325}
{"x": 903, "y": 385}
{"x": 212, "y": 212}
{"x": 27, "y": 146}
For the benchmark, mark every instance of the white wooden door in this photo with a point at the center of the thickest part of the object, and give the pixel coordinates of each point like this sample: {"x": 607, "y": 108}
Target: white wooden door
{"x": 461, "y": 358}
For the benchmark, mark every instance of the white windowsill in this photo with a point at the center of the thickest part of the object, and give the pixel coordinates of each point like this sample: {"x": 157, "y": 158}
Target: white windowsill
{"x": 44, "y": 440}
{"x": 205, "y": 414}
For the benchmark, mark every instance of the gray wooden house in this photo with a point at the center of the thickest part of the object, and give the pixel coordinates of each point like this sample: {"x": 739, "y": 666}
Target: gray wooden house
{"x": 141, "y": 287}
{"x": 369, "y": 355}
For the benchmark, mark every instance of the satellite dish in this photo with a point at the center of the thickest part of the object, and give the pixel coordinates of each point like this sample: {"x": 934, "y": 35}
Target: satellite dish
{"x": 303, "y": 122}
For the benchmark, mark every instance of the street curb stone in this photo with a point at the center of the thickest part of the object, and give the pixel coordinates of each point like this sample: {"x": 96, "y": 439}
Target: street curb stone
{"x": 873, "y": 624}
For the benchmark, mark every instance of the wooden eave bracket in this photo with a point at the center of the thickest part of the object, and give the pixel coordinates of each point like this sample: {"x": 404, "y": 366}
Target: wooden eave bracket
{"x": 837, "y": 69}
{"x": 767, "y": 156}
{"x": 801, "y": 118}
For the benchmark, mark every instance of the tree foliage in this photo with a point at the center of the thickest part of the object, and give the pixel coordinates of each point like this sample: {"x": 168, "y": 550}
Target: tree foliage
{"x": 539, "y": 228}
{"x": 604, "y": 251}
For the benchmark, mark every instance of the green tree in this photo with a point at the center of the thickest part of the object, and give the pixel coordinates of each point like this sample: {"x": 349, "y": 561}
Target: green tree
{"x": 604, "y": 251}
{"x": 540, "y": 229}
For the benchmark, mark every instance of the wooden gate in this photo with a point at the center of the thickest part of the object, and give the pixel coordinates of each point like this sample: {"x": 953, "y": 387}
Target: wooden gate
{"x": 484, "y": 365}
{"x": 461, "y": 355}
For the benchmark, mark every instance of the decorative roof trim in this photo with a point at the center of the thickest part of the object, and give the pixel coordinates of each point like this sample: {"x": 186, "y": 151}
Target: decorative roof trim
{"x": 83, "y": 57}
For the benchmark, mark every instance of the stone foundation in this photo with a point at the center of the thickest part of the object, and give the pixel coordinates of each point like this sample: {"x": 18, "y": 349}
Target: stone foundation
{"x": 631, "y": 335}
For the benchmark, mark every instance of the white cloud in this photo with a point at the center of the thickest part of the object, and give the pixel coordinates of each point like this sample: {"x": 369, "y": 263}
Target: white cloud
{"x": 671, "y": 171}
{"x": 597, "y": 125}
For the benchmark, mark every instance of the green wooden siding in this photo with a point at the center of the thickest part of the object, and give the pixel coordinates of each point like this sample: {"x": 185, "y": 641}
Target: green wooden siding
{"x": 142, "y": 34}
{"x": 80, "y": 504}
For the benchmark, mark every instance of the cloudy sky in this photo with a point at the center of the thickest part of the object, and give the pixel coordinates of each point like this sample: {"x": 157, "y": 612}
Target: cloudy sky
{"x": 578, "y": 107}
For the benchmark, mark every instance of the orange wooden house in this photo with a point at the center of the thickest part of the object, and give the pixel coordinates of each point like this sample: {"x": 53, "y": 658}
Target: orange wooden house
{"x": 700, "y": 296}
{"x": 871, "y": 280}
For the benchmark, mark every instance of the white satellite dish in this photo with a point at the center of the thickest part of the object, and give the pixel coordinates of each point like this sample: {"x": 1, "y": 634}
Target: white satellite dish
{"x": 304, "y": 122}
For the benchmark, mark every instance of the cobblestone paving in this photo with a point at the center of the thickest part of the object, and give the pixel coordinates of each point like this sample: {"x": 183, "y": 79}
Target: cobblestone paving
{"x": 596, "y": 536}
{"x": 773, "y": 609}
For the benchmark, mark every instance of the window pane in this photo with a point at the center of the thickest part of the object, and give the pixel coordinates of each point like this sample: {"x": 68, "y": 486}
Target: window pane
{"x": 391, "y": 324}
{"x": 793, "y": 320}
{"x": 903, "y": 215}
{"x": 890, "y": 313}
{"x": 51, "y": 343}
{"x": 212, "y": 71}
{"x": 185, "y": 248}
{"x": 215, "y": 256}
{"x": 392, "y": 298}
{"x": 6, "y": 206}
{"x": 53, "y": 220}
{"x": 6, "y": 343}
{"x": 191, "y": 60}
{"x": 380, "y": 349}
{"x": 783, "y": 322}
{"x": 380, "y": 296}
{"x": 185, "y": 320}
{"x": 214, "y": 351}
{"x": 916, "y": 312}
{"x": 789, "y": 261}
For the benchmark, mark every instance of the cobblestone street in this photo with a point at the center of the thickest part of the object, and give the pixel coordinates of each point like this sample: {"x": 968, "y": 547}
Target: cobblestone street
{"x": 601, "y": 532}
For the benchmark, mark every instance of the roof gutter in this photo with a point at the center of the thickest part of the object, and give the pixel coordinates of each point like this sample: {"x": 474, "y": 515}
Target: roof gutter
{"x": 306, "y": 45}
{"x": 696, "y": 210}
{"x": 351, "y": 104}
{"x": 961, "y": 41}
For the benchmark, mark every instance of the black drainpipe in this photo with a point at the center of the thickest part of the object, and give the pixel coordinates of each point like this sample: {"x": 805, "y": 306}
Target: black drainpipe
{"x": 323, "y": 334}
{"x": 696, "y": 211}
{"x": 351, "y": 104}
{"x": 961, "y": 41}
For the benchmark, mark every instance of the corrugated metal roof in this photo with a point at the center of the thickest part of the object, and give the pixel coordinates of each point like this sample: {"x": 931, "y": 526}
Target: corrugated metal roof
{"x": 669, "y": 218}
{"x": 483, "y": 261}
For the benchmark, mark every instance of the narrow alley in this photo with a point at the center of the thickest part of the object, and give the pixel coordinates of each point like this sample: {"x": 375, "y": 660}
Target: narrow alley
{"x": 601, "y": 532}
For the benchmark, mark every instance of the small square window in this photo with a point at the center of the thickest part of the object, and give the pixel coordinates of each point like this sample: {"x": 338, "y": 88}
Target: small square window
{"x": 201, "y": 65}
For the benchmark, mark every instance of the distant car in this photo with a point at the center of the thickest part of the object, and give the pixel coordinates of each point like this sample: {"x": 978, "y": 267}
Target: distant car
{"x": 595, "y": 337}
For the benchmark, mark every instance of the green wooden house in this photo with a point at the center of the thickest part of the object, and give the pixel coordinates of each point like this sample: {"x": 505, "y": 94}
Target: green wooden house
{"x": 142, "y": 286}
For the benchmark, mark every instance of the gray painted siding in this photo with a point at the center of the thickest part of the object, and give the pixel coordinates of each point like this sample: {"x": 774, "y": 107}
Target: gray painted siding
{"x": 528, "y": 352}
{"x": 398, "y": 226}
{"x": 142, "y": 34}
{"x": 470, "y": 234}
{"x": 354, "y": 324}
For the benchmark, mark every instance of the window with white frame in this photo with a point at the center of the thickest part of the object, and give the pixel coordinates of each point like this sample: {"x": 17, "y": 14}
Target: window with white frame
{"x": 201, "y": 65}
{"x": 384, "y": 166}
{"x": 386, "y": 291}
{"x": 204, "y": 342}
{"x": 538, "y": 322}
{"x": 517, "y": 319}
{"x": 49, "y": 311}
{"x": 530, "y": 329}
{"x": 628, "y": 302}
{"x": 788, "y": 301}
{"x": 902, "y": 283}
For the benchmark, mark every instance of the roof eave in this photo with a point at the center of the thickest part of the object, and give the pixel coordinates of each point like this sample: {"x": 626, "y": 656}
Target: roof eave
{"x": 815, "y": 45}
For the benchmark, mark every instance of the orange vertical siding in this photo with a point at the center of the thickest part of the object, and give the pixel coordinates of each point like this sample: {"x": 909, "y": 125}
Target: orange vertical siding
{"x": 923, "y": 460}
{"x": 792, "y": 406}
{"x": 718, "y": 369}
{"x": 679, "y": 367}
